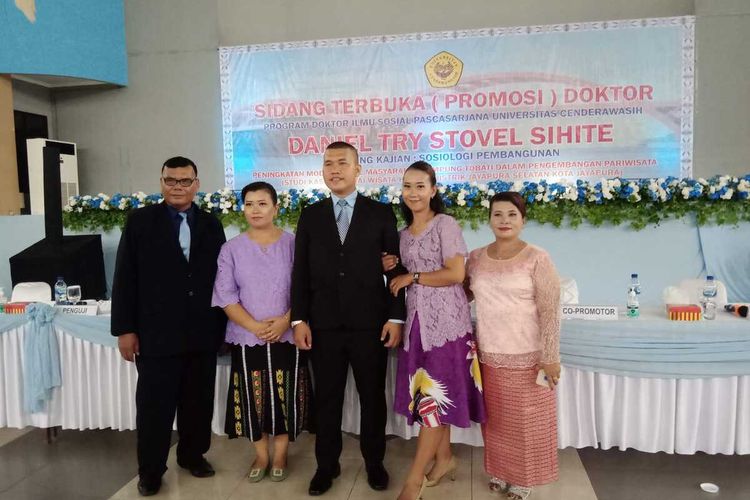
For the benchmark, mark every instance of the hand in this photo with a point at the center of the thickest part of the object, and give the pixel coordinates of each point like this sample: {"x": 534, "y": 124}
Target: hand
{"x": 391, "y": 334}
{"x": 399, "y": 282}
{"x": 467, "y": 289}
{"x": 128, "y": 345}
{"x": 303, "y": 336}
{"x": 389, "y": 261}
{"x": 276, "y": 327}
{"x": 552, "y": 370}
{"x": 259, "y": 327}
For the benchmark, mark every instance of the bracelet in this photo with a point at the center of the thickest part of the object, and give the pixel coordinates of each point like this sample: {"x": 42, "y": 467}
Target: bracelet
{"x": 415, "y": 278}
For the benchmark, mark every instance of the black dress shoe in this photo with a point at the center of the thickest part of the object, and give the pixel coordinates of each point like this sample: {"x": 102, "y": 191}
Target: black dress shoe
{"x": 148, "y": 487}
{"x": 377, "y": 477}
{"x": 201, "y": 468}
{"x": 323, "y": 480}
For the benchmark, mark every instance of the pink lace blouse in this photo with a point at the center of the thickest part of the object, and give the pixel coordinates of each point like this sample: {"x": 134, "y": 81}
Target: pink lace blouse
{"x": 518, "y": 308}
{"x": 444, "y": 313}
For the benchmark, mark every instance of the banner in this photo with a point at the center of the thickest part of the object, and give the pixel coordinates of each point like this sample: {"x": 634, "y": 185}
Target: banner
{"x": 569, "y": 101}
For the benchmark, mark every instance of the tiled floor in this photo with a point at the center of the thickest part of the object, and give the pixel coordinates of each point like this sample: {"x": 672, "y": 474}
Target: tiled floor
{"x": 101, "y": 464}
{"x": 656, "y": 476}
{"x": 232, "y": 459}
{"x": 78, "y": 465}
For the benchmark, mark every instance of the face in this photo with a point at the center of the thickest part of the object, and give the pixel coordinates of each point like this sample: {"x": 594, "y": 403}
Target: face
{"x": 259, "y": 209}
{"x": 178, "y": 196}
{"x": 506, "y": 220}
{"x": 340, "y": 171}
{"x": 417, "y": 190}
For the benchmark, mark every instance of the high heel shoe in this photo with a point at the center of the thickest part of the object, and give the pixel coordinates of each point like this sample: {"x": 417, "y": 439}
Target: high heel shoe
{"x": 450, "y": 472}
{"x": 421, "y": 488}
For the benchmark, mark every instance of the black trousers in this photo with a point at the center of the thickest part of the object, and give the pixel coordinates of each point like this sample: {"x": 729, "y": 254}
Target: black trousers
{"x": 332, "y": 353}
{"x": 184, "y": 384}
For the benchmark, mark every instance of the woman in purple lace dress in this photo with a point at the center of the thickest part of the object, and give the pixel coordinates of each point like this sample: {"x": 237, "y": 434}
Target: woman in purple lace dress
{"x": 270, "y": 389}
{"x": 438, "y": 382}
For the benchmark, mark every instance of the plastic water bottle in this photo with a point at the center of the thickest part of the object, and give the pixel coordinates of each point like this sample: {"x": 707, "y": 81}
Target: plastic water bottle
{"x": 634, "y": 290}
{"x": 61, "y": 291}
{"x": 708, "y": 302}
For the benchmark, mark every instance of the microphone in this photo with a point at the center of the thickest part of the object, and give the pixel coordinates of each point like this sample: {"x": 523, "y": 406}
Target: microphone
{"x": 737, "y": 309}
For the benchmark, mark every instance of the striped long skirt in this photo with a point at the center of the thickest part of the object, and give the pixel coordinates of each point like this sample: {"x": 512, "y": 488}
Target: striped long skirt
{"x": 270, "y": 392}
{"x": 520, "y": 434}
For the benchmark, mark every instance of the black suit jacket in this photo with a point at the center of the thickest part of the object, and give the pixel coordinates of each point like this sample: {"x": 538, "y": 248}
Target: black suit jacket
{"x": 158, "y": 294}
{"x": 342, "y": 286}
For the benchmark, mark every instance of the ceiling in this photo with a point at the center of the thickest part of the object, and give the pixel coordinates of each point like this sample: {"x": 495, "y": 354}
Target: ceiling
{"x": 60, "y": 82}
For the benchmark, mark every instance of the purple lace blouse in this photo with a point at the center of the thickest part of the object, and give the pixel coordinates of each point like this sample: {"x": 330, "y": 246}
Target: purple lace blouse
{"x": 444, "y": 313}
{"x": 259, "y": 278}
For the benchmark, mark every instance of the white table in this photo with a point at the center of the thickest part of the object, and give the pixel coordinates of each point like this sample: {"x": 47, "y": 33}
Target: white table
{"x": 649, "y": 414}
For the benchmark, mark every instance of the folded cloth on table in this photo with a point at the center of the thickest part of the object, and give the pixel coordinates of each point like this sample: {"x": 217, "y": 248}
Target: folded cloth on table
{"x": 41, "y": 371}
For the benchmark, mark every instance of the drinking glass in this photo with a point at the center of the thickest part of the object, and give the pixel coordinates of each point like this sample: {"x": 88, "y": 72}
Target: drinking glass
{"x": 74, "y": 294}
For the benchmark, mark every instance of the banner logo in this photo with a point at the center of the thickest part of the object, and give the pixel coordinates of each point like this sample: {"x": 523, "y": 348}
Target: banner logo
{"x": 444, "y": 70}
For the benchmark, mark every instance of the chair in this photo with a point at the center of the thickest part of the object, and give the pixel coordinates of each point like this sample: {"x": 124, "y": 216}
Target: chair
{"x": 32, "y": 291}
{"x": 568, "y": 291}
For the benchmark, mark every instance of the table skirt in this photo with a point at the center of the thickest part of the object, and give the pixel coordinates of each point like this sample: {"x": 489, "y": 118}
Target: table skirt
{"x": 683, "y": 416}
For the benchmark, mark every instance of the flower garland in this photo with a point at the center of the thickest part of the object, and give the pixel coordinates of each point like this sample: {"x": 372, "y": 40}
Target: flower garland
{"x": 722, "y": 200}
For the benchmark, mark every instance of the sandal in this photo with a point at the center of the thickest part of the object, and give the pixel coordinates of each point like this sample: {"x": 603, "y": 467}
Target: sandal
{"x": 498, "y": 486}
{"x": 518, "y": 492}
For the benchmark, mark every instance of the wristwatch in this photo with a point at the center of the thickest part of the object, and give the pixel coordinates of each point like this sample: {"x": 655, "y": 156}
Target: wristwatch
{"x": 415, "y": 278}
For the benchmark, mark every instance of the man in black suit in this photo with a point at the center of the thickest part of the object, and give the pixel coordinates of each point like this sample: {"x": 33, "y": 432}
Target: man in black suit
{"x": 162, "y": 316}
{"x": 341, "y": 309}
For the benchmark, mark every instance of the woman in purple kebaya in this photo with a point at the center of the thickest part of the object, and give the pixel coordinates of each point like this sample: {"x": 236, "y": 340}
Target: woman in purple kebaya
{"x": 270, "y": 389}
{"x": 438, "y": 382}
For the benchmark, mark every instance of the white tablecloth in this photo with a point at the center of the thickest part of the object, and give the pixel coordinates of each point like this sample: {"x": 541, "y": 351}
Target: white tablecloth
{"x": 652, "y": 414}
{"x": 649, "y": 414}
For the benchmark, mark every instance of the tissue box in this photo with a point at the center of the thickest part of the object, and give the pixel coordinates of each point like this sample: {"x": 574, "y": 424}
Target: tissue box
{"x": 15, "y": 307}
{"x": 684, "y": 312}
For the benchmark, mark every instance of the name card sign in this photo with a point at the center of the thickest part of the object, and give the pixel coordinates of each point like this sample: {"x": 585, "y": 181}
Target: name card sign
{"x": 78, "y": 309}
{"x": 595, "y": 313}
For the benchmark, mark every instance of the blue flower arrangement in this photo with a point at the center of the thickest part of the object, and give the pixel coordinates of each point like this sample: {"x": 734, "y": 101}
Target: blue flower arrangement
{"x": 722, "y": 199}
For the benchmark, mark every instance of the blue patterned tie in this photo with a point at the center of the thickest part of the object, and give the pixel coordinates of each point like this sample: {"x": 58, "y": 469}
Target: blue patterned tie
{"x": 185, "y": 236}
{"x": 342, "y": 220}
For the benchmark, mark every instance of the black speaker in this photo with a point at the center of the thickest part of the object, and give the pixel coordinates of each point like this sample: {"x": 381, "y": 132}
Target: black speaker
{"x": 78, "y": 259}
{"x": 53, "y": 227}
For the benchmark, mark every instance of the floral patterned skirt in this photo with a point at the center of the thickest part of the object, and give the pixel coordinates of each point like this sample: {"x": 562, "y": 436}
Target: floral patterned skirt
{"x": 440, "y": 386}
{"x": 270, "y": 391}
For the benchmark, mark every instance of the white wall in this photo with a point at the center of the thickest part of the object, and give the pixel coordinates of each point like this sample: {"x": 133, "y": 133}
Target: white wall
{"x": 171, "y": 106}
{"x": 722, "y": 98}
{"x": 242, "y": 22}
{"x": 172, "y": 103}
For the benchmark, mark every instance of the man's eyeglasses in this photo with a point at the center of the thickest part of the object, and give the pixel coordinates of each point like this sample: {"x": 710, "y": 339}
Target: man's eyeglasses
{"x": 171, "y": 181}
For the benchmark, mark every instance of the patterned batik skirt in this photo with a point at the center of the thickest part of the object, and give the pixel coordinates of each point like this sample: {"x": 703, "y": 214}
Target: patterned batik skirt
{"x": 520, "y": 435}
{"x": 270, "y": 391}
{"x": 440, "y": 386}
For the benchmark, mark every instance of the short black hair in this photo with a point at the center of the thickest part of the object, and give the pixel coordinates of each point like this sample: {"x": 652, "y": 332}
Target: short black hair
{"x": 436, "y": 202}
{"x": 512, "y": 197}
{"x": 344, "y": 145}
{"x": 260, "y": 186}
{"x": 179, "y": 162}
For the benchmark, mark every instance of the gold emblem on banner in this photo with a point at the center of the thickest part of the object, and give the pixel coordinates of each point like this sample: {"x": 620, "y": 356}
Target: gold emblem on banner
{"x": 444, "y": 70}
